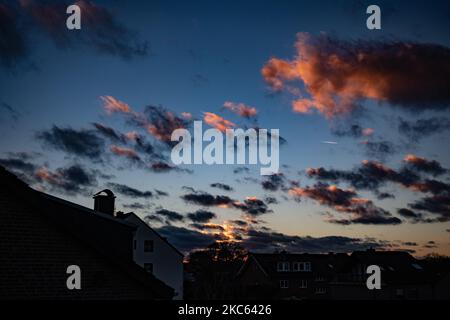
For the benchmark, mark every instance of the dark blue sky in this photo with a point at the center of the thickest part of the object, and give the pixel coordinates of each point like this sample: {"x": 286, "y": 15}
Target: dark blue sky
{"x": 200, "y": 54}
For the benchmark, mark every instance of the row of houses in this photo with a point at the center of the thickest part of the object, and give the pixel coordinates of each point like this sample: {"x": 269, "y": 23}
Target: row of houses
{"x": 341, "y": 276}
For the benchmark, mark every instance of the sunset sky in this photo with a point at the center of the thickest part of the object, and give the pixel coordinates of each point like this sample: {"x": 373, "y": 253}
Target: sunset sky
{"x": 364, "y": 116}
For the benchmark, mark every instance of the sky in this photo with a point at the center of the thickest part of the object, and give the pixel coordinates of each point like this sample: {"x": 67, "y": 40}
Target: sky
{"x": 363, "y": 116}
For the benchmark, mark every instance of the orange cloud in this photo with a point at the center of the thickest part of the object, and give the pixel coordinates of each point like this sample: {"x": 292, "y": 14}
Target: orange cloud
{"x": 368, "y": 132}
{"x": 217, "y": 121}
{"x": 46, "y": 175}
{"x": 112, "y": 105}
{"x": 125, "y": 152}
{"x": 337, "y": 75}
{"x": 410, "y": 158}
{"x": 241, "y": 109}
{"x": 186, "y": 115}
{"x": 132, "y": 135}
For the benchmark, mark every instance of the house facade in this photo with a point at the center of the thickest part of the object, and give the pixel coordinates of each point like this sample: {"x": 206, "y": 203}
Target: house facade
{"x": 156, "y": 255}
{"x": 286, "y": 276}
{"x": 337, "y": 276}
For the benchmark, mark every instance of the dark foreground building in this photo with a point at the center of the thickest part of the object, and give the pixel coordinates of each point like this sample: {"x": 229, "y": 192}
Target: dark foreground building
{"x": 341, "y": 276}
{"x": 41, "y": 235}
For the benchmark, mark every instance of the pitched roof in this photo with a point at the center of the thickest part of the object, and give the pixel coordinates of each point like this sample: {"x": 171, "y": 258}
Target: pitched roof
{"x": 396, "y": 266}
{"x": 320, "y": 263}
{"x": 104, "y": 234}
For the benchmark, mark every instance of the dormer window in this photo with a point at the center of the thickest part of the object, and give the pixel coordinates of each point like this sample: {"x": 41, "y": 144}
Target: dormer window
{"x": 307, "y": 266}
{"x": 320, "y": 278}
{"x": 283, "y": 266}
{"x": 301, "y": 266}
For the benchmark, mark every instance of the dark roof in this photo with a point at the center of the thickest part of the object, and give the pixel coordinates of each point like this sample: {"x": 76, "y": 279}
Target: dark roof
{"x": 124, "y": 216}
{"x": 396, "y": 266}
{"x": 101, "y": 232}
{"x": 320, "y": 263}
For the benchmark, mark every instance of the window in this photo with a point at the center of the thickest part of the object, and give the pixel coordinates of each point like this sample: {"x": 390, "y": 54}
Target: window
{"x": 320, "y": 290}
{"x": 148, "y": 267}
{"x": 283, "y": 266}
{"x": 148, "y": 245}
{"x": 307, "y": 266}
{"x": 303, "y": 284}
{"x": 284, "y": 284}
{"x": 301, "y": 266}
{"x": 320, "y": 278}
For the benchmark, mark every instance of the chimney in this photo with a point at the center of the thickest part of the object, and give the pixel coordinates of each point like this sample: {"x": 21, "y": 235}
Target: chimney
{"x": 104, "y": 202}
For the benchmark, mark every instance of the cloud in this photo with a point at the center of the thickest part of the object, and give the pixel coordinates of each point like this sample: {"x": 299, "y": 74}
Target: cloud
{"x": 354, "y": 131}
{"x": 18, "y": 163}
{"x": 169, "y": 215}
{"x": 338, "y": 75}
{"x": 271, "y": 200}
{"x": 363, "y": 211}
{"x": 379, "y": 150}
{"x": 129, "y": 191}
{"x": 161, "y": 193}
{"x": 252, "y": 206}
{"x": 125, "y": 152}
{"x": 109, "y": 132}
{"x": 82, "y": 143}
{"x": 155, "y": 120}
{"x": 424, "y": 165}
{"x": 73, "y": 179}
{"x": 10, "y": 111}
{"x": 437, "y": 205}
{"x": 100, "y": 29}
{"x": 13, "y": 47}
{"x": 208, "y": 200}
{"x": 201, "y": 216}
{"x": 161, "y": 122}
{"x": 217, "y": 122}
{"x": 135, "y": 206}
{"x": 274, "y": 182}
{"x": 416, "y": 130}
{"x": 269, "y": 241}
{"x": 210, "y": 227}
{"x": 22, "y": 21}
{"x": 185, "y": 239}
{"x": 430, "y": 245}
{"x": 222, "y": 186}
{"x": 241, "y": 109}
{"x": 163, "y": 167}
{"x": 113, "y": 105}
{"x": 186, "y": 115}
{"x": 409, "y": 214}
{"x": 384, "y": 195}
{"x": 370, "y": 175}
{"x": 241, "y": 170}
{"x": 141, "y": 144}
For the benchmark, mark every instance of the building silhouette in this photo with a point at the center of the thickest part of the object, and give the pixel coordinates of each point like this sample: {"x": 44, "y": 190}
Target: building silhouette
{"x": 41, "y": 235}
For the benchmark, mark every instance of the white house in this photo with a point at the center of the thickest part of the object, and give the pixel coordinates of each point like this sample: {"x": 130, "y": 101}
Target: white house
{"x": 151, "y": 251}
{"x": 156, "y": 255}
